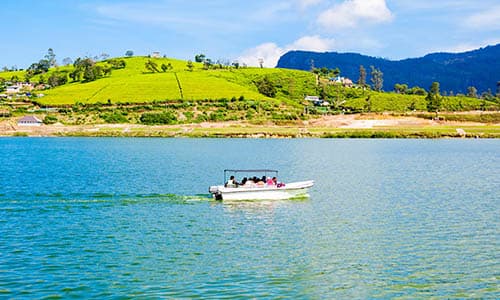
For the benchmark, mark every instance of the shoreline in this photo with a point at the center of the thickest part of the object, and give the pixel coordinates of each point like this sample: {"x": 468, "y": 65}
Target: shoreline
{"x": 341, "y": 126}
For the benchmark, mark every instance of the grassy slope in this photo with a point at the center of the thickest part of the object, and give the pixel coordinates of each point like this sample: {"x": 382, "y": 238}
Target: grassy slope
{"x": 133, "y": 85}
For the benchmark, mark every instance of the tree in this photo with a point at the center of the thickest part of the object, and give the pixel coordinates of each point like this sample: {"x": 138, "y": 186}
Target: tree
{"x": 76, "y": 74}
{"x": 377, "y": 79}
{"x": 84, "y": 63}
{"x": 42, "y": 66}
{"x": 362, "y": 76}
{"x": 164, "y": 67}
{"x": 51, "y": 57}
{"x": 104, "y": 56}
{"x": 57, "y": 78}
{"x": 117, "y": 63}
{"x": 129, "y": 53}
{"x": 416, "y": 90}
{"x": 368, "y": 104}
{"x": 92, "y": 73}
{"x": 199, "y": 58}
{"x": 151, "y": 66}
{"x": 433, "y": 98}
{"x": 400, "y": 88}
{"x": 498, "y": 89}
{"x": 207, "y": 64}
{"x": 28, "y": 76}
{"x": 335, "y": 72}
{"x": 67, "y": 61}
{"x": 87, "y": 68}
{"x": 190, "y": 65}
{"x": 487, "y": 95}
{"x": 107, "y": 70}
{"x": 266, "y": 87}
{"x": 471, "y": 92}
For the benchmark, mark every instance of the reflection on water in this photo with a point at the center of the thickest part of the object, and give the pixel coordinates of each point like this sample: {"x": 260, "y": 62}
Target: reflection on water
{"x": 106, "y": 218}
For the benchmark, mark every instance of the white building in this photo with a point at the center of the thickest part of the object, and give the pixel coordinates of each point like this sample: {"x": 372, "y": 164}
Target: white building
{"x": 29, "y": 121}
{"x": 311, "y": 98}
{"x": 13, "y": 89}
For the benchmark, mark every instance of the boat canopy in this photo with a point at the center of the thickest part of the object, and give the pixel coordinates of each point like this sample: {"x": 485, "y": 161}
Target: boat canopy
{"x": 235, "y": 171}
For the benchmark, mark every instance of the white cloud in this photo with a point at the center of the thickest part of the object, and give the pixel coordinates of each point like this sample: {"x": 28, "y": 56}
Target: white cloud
{"x": 351, "y": 13}
{"x": 485, "y": 20}
{"x": 271, "y": 53}
{"x": 312, "y": 43}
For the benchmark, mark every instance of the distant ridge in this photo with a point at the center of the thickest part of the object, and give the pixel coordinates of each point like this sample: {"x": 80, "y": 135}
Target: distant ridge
{"x": 454, "y": 71}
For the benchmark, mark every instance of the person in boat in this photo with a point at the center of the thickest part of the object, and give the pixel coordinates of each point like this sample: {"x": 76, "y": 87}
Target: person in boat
{"x": 261, "y": 182}
{"x": 275, "y": 181}
{"x": 250, "y": 183}
{"x": 270, "y": 181}
{"x": 231, "y": 182}
{"x": 244, "y": 181}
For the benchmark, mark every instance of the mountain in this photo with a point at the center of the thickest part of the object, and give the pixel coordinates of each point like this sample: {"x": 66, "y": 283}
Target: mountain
{"x": 454, "y": 71}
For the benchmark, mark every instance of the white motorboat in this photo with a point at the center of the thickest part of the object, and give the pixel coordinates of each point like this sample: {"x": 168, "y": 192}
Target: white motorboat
{"x": 279, "y": 191}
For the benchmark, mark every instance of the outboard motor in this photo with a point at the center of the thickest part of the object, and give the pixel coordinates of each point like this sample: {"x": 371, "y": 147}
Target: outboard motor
{"x": 215, "y": 191}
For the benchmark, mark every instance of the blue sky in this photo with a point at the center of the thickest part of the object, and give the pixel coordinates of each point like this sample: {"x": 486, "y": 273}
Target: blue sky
{"x": 243, "y": 30}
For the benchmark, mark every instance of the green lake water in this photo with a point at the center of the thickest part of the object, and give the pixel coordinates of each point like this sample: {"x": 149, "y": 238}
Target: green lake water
{"x": 131, "y": 218}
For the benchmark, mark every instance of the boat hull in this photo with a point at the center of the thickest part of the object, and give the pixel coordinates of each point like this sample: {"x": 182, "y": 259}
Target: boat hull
{"x": 291, "y": 190}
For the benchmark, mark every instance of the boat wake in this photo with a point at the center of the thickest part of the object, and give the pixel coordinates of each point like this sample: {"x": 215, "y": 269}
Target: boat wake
{"x": 101, "y": 198}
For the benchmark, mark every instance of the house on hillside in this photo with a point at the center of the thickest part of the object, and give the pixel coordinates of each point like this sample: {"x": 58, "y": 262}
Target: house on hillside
{"x": 18, "y": 87}
{"x": 155, "y": 54}
{"x": 13, "y": 89}
{"x": 311, "y": 98}
{"x": 29, "y": 121}
{"x": 317, "y": 101}
{"x": 346, "y": 82}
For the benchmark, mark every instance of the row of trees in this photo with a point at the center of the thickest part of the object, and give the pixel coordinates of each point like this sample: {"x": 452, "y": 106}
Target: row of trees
{"x": 218, "y": 64}
{"x": 85, "y": 69}
{"x": 152, "y": 67}
{"x": 377, "y": 78}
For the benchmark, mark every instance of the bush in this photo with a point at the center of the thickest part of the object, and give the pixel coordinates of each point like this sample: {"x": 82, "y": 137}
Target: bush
{"x": 201, "y": 118}
{"x": 266, "y": 87}
{"x": 165, "y": 118}
{"x": 114, "y": 118}
{"x": 50, "y": 119}
{"x": 117, "y": 63}
{"x": 58, "y": 78}
{"x": 284, "y": 116}
{"x": 217, "y": 116}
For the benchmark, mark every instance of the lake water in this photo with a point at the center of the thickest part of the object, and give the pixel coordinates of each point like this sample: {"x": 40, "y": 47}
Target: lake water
{"x": 108, "y": 218}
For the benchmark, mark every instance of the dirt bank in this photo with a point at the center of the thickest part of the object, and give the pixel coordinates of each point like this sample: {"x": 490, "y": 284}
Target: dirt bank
{"x": 316, "y": 127}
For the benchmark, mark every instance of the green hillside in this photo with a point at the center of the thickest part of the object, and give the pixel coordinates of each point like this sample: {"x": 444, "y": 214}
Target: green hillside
{"x": 134, "y": 84}
{"x": 219, "y": 93}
